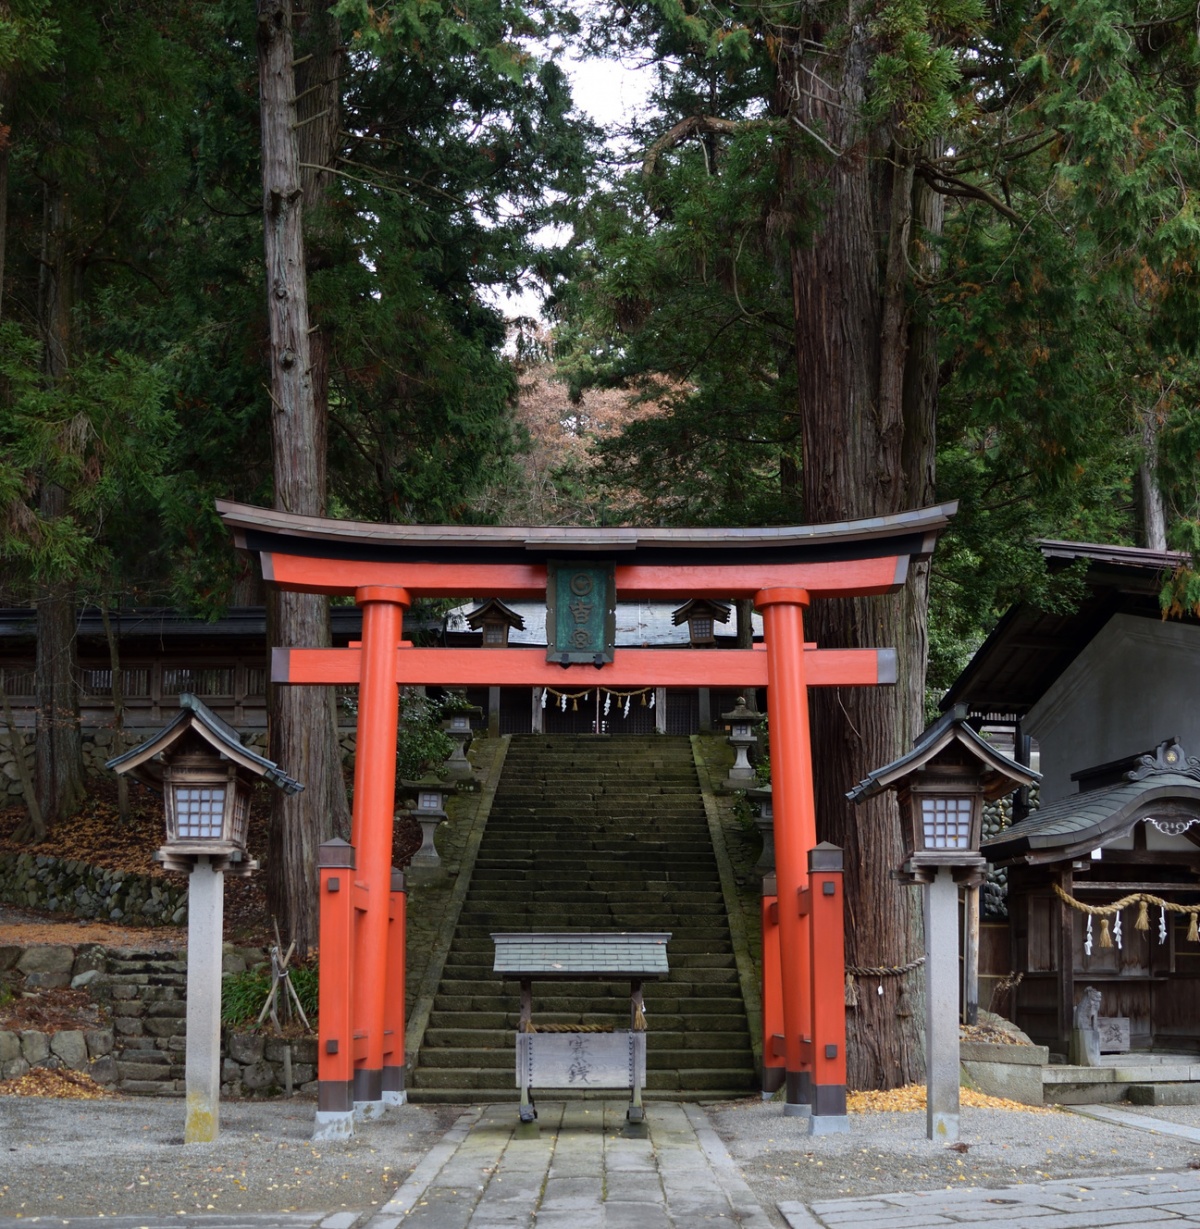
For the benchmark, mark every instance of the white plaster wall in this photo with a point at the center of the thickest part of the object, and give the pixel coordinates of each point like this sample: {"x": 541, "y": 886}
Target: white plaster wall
{"x": 1136, "y": 684}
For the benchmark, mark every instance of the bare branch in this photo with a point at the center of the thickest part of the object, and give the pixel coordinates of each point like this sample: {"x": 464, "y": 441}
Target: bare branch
{"x": 950, "y": 185}
{"x": 693, "y": 126}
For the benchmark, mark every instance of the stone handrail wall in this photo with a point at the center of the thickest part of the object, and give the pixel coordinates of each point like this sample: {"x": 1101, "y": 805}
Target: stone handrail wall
{"x": 141, "y": 1048}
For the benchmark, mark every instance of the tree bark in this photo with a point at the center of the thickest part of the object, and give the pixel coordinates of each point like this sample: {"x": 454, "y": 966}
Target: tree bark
{"x": 117, "y": 687}
{"x": 867, "y": 400}
{"x": 1152, "y": 512}
{"x": 58, "y": 756}
{"x": 59, "y": 749}
{"x": 303, "y": 734}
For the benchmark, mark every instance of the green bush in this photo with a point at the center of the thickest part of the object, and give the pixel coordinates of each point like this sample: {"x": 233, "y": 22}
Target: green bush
{"x": 243, "y": 995}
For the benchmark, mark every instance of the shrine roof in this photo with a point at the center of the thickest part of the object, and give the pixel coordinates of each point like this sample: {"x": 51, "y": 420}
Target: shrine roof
{"x": 1030, "y": 647}
{"x": 263, "y": 529}
{"x": 1165, "y": 784}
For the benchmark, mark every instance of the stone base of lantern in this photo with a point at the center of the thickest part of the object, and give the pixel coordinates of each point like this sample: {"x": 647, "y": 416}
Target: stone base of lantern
{"x": 426, "y": 865}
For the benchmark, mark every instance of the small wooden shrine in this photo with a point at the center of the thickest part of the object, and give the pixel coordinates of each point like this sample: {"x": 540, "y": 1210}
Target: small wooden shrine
{"x": 1104, "y": 892}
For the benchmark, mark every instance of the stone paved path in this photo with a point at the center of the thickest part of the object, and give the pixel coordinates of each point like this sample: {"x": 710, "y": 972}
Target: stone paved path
{"x": 1169, "y": 1199}
{"x": 582, "y": 1170}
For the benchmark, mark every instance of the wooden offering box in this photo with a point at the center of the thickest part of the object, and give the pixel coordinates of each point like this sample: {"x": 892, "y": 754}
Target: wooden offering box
{"x": 581, "y": 1056}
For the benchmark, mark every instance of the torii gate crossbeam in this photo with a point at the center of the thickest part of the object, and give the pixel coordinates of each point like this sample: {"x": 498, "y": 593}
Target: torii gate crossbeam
{"x": 385, "y": 567}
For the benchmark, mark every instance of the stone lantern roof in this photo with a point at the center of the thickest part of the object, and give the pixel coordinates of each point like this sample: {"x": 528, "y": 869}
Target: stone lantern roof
{"x": 196, "y": 718}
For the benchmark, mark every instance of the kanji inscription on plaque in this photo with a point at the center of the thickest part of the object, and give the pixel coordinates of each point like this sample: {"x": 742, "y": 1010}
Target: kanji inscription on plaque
{"x": 581, "y": 612}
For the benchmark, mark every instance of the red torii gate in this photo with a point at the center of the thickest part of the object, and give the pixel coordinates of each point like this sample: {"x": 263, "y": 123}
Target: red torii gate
{"x": 361, "y": 1048}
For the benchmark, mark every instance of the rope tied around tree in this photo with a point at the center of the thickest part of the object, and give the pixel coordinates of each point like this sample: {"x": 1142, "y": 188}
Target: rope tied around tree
{"x": 879, "y": 971}
{"x": 1143, "y": 900}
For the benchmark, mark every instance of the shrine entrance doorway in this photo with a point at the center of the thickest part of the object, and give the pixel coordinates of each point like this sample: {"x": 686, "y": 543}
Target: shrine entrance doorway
{"x": 580, "y": 572}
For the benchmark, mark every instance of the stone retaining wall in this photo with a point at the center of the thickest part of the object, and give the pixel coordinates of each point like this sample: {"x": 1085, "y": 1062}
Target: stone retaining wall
{"x": 141, "y": 1048}
{"x": 63, "y": 885}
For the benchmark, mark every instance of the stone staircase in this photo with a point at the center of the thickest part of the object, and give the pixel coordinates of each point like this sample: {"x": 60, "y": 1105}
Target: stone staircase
{"x": 591, "y": 833}
{"x": 147, "y": 994}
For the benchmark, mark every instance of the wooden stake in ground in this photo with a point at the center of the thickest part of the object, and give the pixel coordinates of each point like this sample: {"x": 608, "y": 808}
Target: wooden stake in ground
{"x": 281, "y": 976}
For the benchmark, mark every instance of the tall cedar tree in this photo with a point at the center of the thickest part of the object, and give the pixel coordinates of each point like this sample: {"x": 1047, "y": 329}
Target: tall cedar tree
{"x": 303, "y": 720}
{"x": 83, "y": 425}
{"x": 1055, "y": 139}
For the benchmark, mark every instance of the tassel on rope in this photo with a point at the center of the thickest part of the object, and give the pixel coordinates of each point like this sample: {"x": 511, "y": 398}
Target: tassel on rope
{"x": 639, "y": 1019}
{"x": 1105, "y": 937}
{"x": 643, "y": 699}
{"x": 1193, "y": 934}
{"x": 574, "y": 704}
{"x": 851, "y": 991}
{"x": 1143, "y": 917}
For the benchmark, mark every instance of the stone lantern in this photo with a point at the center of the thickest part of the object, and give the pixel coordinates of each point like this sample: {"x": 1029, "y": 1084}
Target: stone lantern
{"x": 205, "y": 775}
{"x": 428, "y": 808}
{"x": 742, "y": 722}
{"x": 457, "y": 725}
{"x": 941, "y": 785}
{"x": 495, "y": 620}
{"x": 701, "y": 616}
{"x": 764, "y": 821}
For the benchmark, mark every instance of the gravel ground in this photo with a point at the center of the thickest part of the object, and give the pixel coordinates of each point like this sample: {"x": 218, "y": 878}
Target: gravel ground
{"x": 125, "y": 1156}
{"x": 889, "y": 1152}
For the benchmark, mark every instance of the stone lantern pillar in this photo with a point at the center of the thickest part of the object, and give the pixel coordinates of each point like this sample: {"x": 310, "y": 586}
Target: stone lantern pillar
{"x": 742, "y": 722}
{"x": 205, "y": 776}
{"x": 428, "y": 808}
{"x": 941, "y": 785}
{"x": 457, "y": 725}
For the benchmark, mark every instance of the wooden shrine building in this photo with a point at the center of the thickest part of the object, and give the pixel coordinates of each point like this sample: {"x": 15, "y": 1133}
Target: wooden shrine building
{"x": 1103, "y": 878}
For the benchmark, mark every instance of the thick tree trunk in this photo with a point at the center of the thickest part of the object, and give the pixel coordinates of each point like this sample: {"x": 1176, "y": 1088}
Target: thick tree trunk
{"x": 303, "y": 730}
{"x": 59, "y": 750}
{"x": 1152, "y": 512}
{"x": 867, "y": 400}
{"x": 58, "y": 755}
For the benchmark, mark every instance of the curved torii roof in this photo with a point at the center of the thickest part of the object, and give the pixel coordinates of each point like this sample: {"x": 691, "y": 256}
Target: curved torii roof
{"x": 319, "y": 554}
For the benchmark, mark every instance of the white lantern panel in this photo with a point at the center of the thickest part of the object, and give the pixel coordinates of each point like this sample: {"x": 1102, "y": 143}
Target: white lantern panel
{"x": 429, "y": 802}
{"x": 199, "y": 812}
{"x": 947, "y": 822}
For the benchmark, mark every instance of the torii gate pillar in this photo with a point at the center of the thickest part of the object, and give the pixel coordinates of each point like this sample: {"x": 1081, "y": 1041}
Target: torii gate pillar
{"x": 795, "y": 823}
{"x": 379, "y": 1067}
